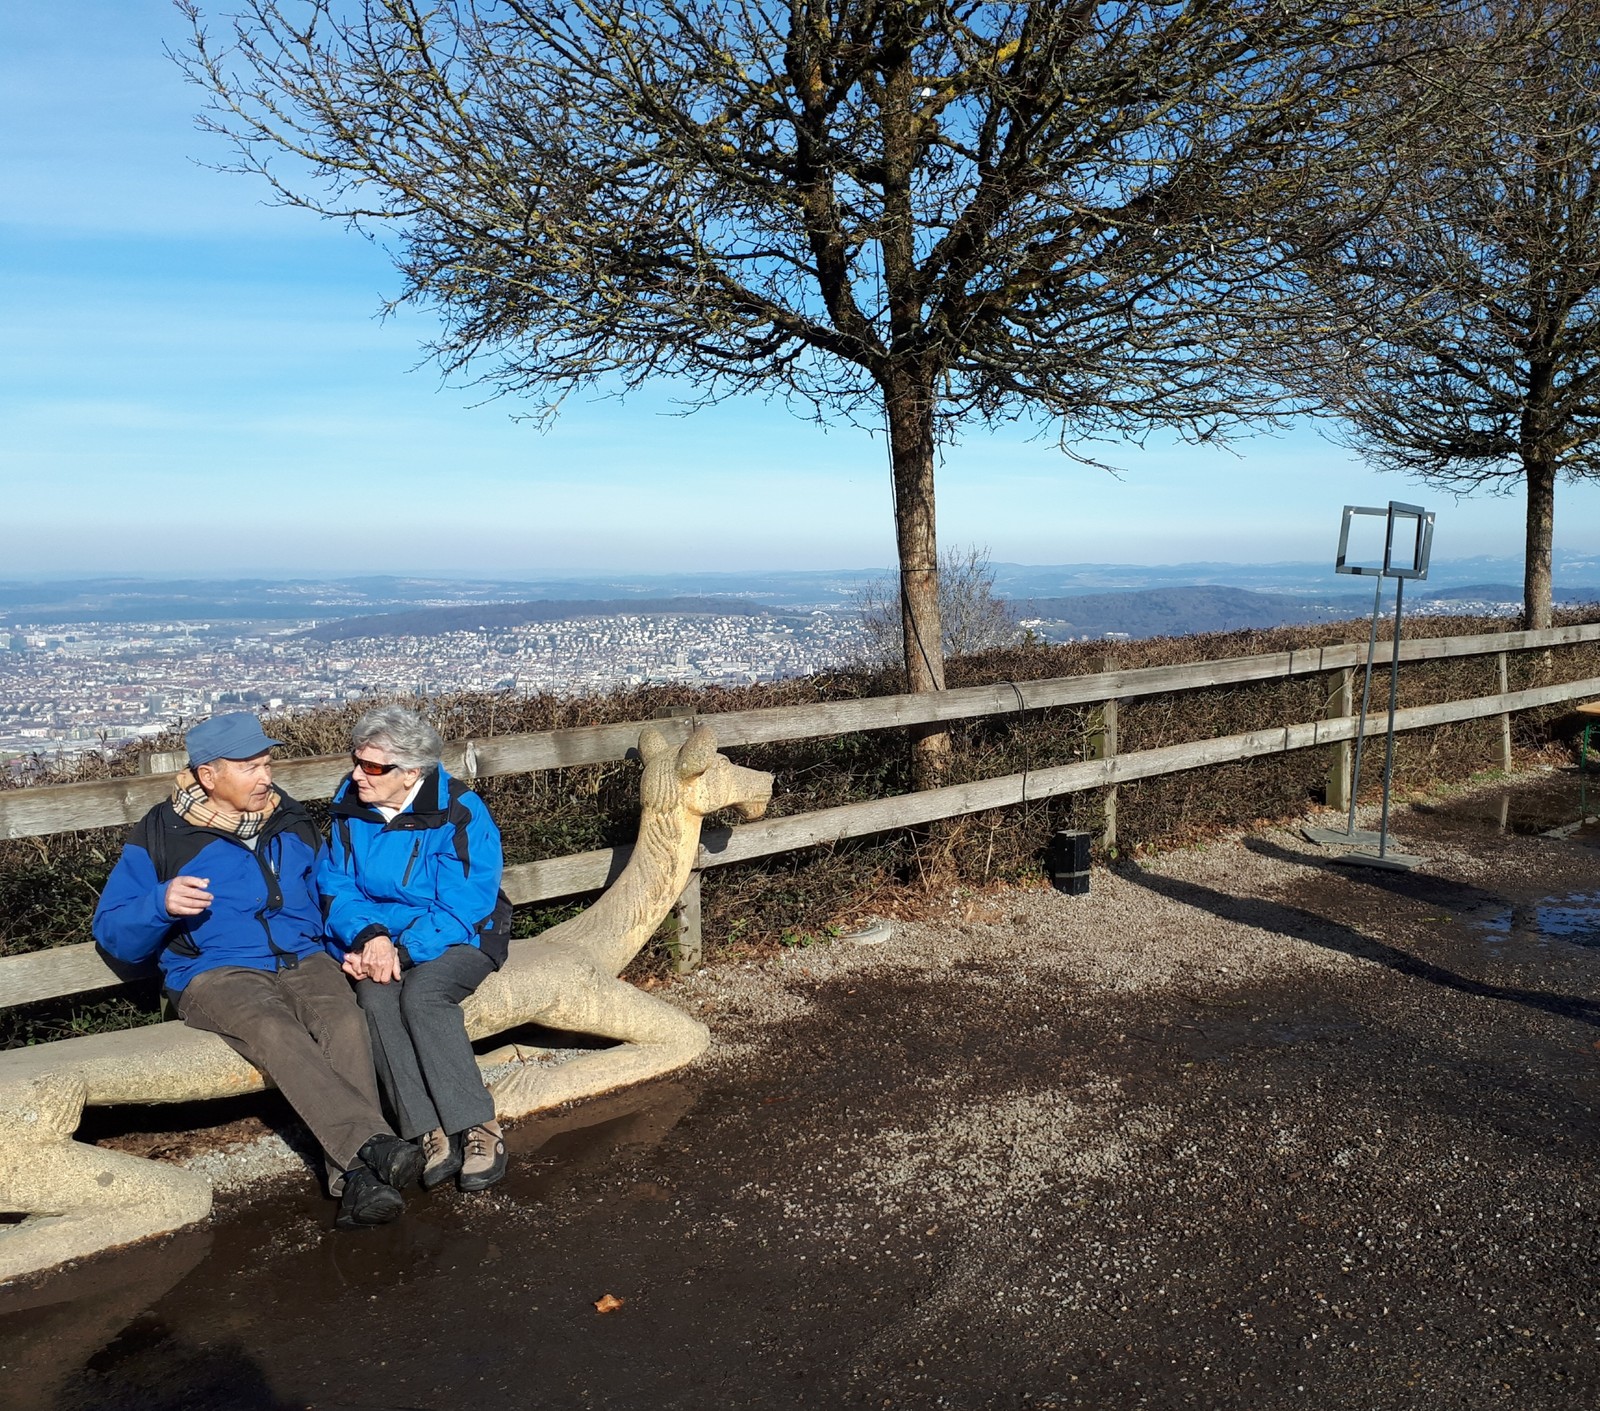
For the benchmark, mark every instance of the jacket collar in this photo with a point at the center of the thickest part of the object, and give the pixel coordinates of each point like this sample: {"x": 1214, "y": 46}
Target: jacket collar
{"x": 430, "y": 808}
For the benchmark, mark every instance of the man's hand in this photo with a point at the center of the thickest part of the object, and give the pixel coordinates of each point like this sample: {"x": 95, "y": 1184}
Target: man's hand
{"x": 353, "y": 965}
{"x": 187, "y": 896}
{"x": 380, "y": 960}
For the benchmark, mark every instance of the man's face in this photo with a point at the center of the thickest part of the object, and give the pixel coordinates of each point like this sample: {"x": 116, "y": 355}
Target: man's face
{"x": 242, "y": 785}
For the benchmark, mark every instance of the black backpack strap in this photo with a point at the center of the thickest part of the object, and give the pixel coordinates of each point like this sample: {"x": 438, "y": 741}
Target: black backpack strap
{"x": 156, "y": 844}
{"x": 153, "y": 833}
{"x": 459, "y": 816}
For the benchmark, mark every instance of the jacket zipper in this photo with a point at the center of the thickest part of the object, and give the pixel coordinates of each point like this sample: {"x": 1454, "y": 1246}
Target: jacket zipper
{"x": 416, "y": 847}
{"x": 286, "y": 960}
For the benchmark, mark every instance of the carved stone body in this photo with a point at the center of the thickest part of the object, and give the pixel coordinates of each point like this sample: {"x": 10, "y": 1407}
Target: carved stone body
{"x": 81, "y": 1199}
{"x": 567, "y": 977}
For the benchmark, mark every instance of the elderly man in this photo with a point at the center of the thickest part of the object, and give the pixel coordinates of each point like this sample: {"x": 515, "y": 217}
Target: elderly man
{"x": 219, "y": 883}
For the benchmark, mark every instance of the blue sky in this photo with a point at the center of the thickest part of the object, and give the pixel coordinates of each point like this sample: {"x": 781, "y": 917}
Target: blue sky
{"x": 194, "y": 378}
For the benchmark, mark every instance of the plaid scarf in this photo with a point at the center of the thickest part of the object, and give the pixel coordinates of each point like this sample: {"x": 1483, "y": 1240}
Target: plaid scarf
{"x": 194, "y": 806}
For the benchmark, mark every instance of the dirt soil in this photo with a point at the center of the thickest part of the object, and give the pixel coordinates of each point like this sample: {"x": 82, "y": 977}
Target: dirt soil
{"x": 1243, "y": 1128}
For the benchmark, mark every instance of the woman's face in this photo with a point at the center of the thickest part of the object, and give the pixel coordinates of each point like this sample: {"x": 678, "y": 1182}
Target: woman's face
{"x": 386, "y": 790}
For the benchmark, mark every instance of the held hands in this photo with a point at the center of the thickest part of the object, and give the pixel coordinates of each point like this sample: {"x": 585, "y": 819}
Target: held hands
{"x": 187, "y": 896}
{"x": 377, "y": 960}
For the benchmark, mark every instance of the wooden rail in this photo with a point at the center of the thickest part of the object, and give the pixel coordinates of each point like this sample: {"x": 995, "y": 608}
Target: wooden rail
{"x": 109, "y": 803}
{"x": 75, "y": 969}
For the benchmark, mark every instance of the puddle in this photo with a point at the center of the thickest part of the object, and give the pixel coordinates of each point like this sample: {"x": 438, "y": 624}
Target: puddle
{"x": 162, "y": 1326}
{"x": 1527, "y": 811}
{"x": 1556, "y": 804}
{"x": 1573, "y": 919}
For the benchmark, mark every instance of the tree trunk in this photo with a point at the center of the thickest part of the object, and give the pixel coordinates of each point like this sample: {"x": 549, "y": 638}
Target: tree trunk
{"x": 910, "y": 412}
{"x": 907, "y": 381}
{"x": 1541, "y": 479}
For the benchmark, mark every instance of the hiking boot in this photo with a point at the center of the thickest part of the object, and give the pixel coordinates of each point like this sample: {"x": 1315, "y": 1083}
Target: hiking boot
{"x": 367, "y": 1201}
{"x": 442, "y": 1155}
{"x": 393, "y": 1160}
{"x": 483, "y": 1157}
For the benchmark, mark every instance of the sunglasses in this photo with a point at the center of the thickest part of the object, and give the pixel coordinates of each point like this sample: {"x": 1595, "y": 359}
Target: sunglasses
{"x": 371, "y": 767}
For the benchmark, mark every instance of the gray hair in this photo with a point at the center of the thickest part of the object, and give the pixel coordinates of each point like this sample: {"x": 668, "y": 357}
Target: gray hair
{"x": 409, "y": 738}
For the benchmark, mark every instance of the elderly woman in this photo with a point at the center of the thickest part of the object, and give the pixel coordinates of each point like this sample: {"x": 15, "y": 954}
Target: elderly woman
{"x": 411, "y": 886}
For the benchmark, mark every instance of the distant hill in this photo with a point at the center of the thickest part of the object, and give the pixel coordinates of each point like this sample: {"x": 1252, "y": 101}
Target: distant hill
{"x": 476, "y": 617}
{"x": 1481, "y": 592}
{"x": 68, "y": 600}
{"x": 1174, "y": 612}
{"x": 57, "y": 601}
{"x": 1506, "y": 593}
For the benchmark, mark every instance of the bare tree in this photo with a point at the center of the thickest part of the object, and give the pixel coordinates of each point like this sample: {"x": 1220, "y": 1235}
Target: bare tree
{"x": 972, "y": 617}
{"x": 907, "y": 214}
{"x": 1463, "y": 323}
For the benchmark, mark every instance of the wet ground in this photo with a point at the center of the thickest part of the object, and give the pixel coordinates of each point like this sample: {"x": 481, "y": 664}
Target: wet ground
{"x": 1246, "y": 1128}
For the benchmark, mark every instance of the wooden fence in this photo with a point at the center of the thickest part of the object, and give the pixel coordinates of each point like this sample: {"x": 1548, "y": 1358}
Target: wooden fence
{"x": 78, "y": 968}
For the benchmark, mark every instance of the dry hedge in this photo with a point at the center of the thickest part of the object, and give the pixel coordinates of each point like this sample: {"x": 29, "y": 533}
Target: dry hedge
{"x": 48, "y": 886}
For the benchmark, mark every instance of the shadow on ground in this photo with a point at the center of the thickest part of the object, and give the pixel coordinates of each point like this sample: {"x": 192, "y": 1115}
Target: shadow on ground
{"x": 1318, "y": 930}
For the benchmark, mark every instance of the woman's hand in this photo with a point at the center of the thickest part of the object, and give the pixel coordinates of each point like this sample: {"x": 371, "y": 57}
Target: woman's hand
{"x": 353, "y": 965}
{"x": 380, "y": 960}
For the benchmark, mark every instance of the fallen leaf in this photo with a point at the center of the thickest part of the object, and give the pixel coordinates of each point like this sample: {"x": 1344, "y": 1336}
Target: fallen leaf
{"x": 607, "y": 1303}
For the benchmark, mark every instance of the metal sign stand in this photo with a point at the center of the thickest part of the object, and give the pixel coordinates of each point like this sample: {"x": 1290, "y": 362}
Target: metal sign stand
{"x": 1352, "y": 834}
{"x": 1406, "y": 558}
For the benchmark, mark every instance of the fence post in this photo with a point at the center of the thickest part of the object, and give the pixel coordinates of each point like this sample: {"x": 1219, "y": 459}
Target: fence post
{"x": 162, "y": 761}
{"x": 1341, "y": 702}
{"x": 1505, "y": 720}
{"x": 1103, "y": 745}
{"x": 686, "y": 912}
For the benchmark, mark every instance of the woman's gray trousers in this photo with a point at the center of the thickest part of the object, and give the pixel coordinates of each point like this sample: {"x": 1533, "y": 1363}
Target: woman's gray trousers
{"x": 420, "y": 1049}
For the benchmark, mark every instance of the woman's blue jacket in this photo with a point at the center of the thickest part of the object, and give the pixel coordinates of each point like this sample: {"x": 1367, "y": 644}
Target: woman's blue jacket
{"x": 429, "y": 878}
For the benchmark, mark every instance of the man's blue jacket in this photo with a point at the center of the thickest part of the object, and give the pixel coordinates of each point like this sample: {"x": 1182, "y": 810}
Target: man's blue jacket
{"x": 265, "y": 913}
{"x": 429, "y": 878}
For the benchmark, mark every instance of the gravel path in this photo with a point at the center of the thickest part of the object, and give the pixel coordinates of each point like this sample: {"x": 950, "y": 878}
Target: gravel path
{"x": 1242, "y": 1128}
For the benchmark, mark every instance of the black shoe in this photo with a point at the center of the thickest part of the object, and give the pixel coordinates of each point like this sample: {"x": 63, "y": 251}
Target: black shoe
{"x": 393, "y": 1160}
{"x": 367, "y": 1201}
{"x": 443, "y": 1156}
